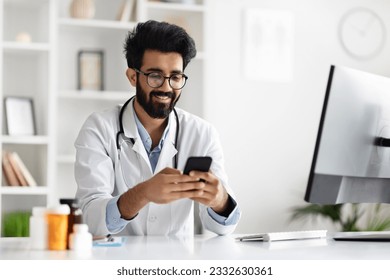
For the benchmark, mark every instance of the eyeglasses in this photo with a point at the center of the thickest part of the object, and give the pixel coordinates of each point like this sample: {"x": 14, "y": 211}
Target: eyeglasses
{"x": 156, "y": 79}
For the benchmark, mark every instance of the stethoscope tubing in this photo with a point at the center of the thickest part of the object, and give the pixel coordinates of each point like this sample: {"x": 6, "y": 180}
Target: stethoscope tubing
{"x": 121, "y": 130}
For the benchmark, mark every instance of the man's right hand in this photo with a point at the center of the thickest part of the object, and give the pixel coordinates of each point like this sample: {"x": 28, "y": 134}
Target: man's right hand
{"x": 166, "y": 186}
{"x": 169, "y": 185}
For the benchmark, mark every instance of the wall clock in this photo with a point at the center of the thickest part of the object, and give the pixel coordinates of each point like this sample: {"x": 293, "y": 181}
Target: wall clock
{"x": 362, "y": 33}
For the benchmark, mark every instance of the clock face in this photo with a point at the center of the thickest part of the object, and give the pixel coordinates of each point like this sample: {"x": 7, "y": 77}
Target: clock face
{"x": 362, "y": 33}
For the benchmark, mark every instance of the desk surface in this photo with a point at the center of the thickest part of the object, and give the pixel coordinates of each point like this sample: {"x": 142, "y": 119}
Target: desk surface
{"x": 207, "y": 248}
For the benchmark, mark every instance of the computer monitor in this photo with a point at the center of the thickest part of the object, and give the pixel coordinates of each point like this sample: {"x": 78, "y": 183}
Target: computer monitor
{"x": 351, "y": 161}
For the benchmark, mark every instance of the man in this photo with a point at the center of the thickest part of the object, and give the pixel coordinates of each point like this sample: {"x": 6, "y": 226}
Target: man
{"x": 128, "y": 159}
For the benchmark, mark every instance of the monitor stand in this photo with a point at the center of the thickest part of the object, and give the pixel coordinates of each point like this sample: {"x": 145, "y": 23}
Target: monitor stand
{"x": 377, "y": 236}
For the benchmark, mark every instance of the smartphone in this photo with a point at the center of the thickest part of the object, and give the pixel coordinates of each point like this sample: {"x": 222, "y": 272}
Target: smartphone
{"x": 197, "y": 163}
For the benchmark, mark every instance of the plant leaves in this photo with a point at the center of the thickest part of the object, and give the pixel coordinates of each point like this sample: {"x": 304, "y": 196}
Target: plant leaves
{"x": 375, "y": 222}
{"x": 332, "y": 212}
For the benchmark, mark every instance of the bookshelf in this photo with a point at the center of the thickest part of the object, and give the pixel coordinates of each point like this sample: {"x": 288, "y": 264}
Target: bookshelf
{"x": 48, "y": 68}
{"x": 27, "y": 70}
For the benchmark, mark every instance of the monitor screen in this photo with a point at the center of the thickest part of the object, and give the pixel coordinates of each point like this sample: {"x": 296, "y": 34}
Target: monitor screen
{"x": 351, "y": 161}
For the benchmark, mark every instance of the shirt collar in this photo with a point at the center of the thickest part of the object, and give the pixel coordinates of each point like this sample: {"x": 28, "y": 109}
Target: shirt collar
{"x": 145, "y": 137}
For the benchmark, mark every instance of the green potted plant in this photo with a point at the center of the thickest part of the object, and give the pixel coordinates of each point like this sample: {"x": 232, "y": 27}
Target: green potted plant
{"x": 347, "y": 217}
{"x": 16, "y": 224}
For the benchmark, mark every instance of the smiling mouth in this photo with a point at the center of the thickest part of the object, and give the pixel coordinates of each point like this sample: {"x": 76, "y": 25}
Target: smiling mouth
{"x": 163, "y": 95}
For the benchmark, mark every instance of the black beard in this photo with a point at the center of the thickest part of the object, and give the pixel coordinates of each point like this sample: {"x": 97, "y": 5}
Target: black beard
{"x": 156, "y": 110}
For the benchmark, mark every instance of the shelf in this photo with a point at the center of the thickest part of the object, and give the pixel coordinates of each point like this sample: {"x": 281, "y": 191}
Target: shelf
{"x": 24, "y": 190}
{"x": 176, "y": 7}
{"x": 29, "y": 140}
{"x": 110, "y": 24}
{"x": 24, "y": 3}
{"x": 95, "y": 95}
{"x": 25, "y": 47}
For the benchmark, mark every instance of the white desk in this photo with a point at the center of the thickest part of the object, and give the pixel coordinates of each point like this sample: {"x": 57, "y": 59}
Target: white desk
{"x": 207, "y": 248}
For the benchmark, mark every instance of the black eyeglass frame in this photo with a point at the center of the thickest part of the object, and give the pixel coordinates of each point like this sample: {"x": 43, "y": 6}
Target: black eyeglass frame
{"x": 165, "y": 78}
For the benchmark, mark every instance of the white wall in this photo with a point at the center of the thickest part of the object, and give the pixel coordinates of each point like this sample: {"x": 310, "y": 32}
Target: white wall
{"x": 268, "y": 129}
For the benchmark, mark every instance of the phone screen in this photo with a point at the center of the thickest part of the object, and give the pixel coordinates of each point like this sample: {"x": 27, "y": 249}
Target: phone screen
{"x": 197, "y": 163}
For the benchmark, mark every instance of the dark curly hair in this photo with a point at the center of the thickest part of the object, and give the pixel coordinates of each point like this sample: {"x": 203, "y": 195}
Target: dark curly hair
{"x": 159, "y": 36}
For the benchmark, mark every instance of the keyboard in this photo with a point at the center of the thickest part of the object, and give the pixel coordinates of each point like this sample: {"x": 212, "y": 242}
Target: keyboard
{"x": 286, "y": 235}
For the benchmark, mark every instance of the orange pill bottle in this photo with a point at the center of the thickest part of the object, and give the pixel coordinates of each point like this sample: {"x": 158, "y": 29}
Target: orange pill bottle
{"x": 57, "y": 222}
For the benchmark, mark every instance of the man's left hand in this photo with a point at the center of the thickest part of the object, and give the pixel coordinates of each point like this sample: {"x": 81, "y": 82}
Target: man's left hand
{"x": 214, "y": 195}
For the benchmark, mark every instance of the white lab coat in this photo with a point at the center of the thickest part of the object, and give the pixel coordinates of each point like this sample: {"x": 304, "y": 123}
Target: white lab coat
{"x": 101, "y": 175}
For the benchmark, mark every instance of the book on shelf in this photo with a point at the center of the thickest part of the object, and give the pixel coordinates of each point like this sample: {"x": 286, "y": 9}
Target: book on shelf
{"x": 126, "y": 11}
{"x": 8, "y": 173}
{"x": 16, "y": 168}
{"x": 15, "y": 171}
{"x": 24, "y": 170}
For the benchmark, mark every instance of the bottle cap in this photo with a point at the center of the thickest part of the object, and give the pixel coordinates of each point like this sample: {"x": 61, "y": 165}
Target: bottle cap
{"x": 61, "y": 209}
{"x": 80, "y": 228}
{"x": 72, "y": 202}
{"x": 39, "y": 211}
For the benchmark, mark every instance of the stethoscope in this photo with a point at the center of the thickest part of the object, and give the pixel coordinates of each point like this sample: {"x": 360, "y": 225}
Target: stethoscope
{"x": 121, "y": 131}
